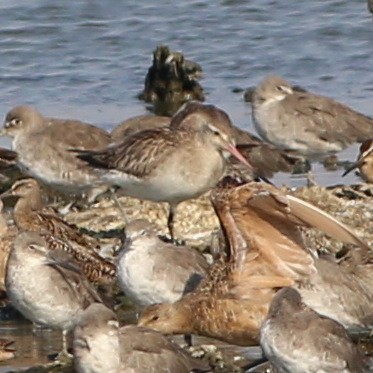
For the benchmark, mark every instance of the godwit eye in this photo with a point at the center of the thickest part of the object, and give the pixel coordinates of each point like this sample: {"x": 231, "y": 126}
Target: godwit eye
{"x": 155, "y": 318}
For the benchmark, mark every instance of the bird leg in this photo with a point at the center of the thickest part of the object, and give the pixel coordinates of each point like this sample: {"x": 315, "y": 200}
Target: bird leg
{"x": 170, "y": 220}
{"x": 119, "y": 205}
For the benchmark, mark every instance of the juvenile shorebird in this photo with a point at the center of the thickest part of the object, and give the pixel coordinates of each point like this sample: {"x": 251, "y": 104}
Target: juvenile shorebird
{"x": 266, "y": 252}
{"x": 296, "y": 339}
{"x": 311, "y": 124}
{"x": 171, "y": 164}
{"x": 100, "y": 346}
{"x": 30, "y": 214}
{"x": 42, "y": 145}
{"x": 265, "y": 158}
{"x": 7, "y": 236}
{"x": 44, "y": 285}
{"x": 150, "y": 270}
{"x": 364, "y": 161}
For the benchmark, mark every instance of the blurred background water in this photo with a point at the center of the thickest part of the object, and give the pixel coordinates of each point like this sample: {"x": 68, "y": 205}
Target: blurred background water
{"x": 87, "y": 59}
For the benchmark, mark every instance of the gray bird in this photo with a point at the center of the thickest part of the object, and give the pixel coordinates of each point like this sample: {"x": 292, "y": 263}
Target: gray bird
{"x": 100, "y": 346}
{"x": 43, "y": 144}
{"x": 310, "y": 124}
{"x": 296, "y": 339}
{"x": 150, "y": 270}
{"x": 45, "y": 285}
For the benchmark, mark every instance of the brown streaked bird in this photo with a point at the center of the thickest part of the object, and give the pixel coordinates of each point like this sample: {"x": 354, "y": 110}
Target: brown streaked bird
{"x": 310, "y": 124}
{"x": 6, "y": 351}
{"x": 100, "y": 346}
{"x": 30, "y": 214}
{"x": 171, "y": 164}
{"x": 364, "y": 161}
{"x": 42, "y": 145}
{"x": 46, "y": 285}
{"x": 266, "y": 252}
{"x": 150, "y": 270}
{"x": 7, "y": 237}
{"x": 265, "y": 158}
{"x": 296, "y": 339}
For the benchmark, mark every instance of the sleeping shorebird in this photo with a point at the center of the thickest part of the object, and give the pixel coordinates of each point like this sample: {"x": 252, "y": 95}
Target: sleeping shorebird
{"x": 364, "y": 162}
{"x": 310, "y": 124}
{"x": 30, "y": 214}
{"x": 150, "y": 270}
{"x": 170, "y": 164}
{"x": 101, "y": 346}
{"x": 267, "y": 252}
{"x": 45, "y": 284}
{"x": 296, "y": 339}
{"x": 42, "y": 146}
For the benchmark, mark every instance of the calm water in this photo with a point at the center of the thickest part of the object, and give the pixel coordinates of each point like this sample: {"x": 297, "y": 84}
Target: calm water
{"x": 87, "y": 59}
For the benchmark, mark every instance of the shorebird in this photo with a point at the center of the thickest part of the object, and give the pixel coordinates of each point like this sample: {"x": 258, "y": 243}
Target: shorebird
{"x": 310, "y": 124}
{"x": 6, "y": 351}
{"x": 150, "y": 270}
{"x": 265, "y": 158}
{"x": 45, "y": 285}
{"x": 364, "y": 161}
{"x": 30, "y": 214}
{"x": 171, "y": 164}
{"x": 42, "y": 145}
{"x": 296, "y": 339}
{"x": 100, "y": 346}
{"x": 7, "y": 236}
{"x": 266, "y": 252}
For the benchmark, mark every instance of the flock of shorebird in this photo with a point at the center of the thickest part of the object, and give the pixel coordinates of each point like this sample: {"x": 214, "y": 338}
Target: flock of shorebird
{"x": 266, "y": 287}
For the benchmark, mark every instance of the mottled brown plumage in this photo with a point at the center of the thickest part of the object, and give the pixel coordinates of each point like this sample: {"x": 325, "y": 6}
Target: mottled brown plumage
{"x": 31, "y": 215}
{"x": 266, "y": 252}
{"x": 171, "y": 164}
{"x": 7, "y": 236}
